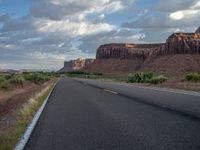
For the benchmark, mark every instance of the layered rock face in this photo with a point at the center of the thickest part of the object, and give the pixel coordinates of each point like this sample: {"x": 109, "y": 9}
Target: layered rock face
{"x": 177, "y": 43}
{"x": 179, "y": 54}
{"x": 78, "y": 64}
{"x": 127, "y": 51}
{"x": 182, "y": 43}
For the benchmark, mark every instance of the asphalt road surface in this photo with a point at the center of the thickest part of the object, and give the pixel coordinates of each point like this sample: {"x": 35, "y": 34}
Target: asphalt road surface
{"x": 82, "y": 117}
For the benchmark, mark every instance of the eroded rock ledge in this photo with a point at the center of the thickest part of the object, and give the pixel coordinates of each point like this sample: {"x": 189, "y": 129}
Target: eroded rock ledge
{"x": 177, "y": 43}
{"x": 127, "y": 51}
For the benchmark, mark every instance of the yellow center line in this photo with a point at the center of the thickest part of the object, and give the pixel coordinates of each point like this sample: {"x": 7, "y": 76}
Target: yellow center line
{"x": 110, "y": 91}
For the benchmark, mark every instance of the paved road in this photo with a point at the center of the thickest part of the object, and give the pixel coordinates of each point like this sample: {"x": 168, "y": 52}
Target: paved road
{"x": 82, "y": 117}
{"x": 184, "y": 102}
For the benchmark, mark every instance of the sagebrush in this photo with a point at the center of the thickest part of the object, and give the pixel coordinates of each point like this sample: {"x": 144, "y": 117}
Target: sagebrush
{"x": 146, "y": 77}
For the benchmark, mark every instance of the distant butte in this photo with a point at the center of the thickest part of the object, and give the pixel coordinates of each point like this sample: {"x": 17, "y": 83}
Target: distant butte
{"x": 179, "y": 54}
{"x": 78, "y": 64}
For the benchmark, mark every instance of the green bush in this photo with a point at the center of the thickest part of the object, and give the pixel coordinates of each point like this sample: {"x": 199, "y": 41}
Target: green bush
{"x": 78, "y": 73}
{"x": 5, "y": 84}
{"x": 142, "y": 77}
{"x": 9, "y": 76}
{"x": 83, "y": 74}
{"x": 146, "y": 77}
{"x": 97, "y": 74}
{"x": 54, "y": 74}
{"x": 158, "y": 80}
{"x": 194, "y": 77}
{"x": 28, "y": 76}
{"x": 2, "y": 78}
{"x": 17, "y": 80}
{"x": 37, "y": 78}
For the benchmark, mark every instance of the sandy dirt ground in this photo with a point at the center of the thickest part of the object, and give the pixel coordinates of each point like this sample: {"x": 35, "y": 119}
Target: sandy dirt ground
{"x": 13, "y": 99}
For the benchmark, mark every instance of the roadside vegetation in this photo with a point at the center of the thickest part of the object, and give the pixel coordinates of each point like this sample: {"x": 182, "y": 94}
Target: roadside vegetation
{"x": 26, "y": 113}
{"x": 189, "y": 81}
{"x": 146, "y": 77}
{"x": 9, "y": 80}
{"x": 140, "y": 77}
{"x": 192, "y": 77}
{"x": 12, "y": 88}
{"x": 83, "y": 74}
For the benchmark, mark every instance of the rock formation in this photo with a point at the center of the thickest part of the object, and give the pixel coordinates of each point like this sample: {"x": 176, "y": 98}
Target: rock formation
{"x": 78, "y": 64}
{"x": 182, "y": 43}
{"x": 198, "y": 30}
{"x": 177, "y": 43}
{"x": 126, "y": 51}
{"x": 179, "y": 54}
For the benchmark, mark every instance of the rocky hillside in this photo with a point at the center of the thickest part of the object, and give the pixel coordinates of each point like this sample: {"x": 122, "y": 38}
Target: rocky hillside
{"x": 198, "y": 30}
{"x": 78, "y": 64}
{"x": 179, "y": 54}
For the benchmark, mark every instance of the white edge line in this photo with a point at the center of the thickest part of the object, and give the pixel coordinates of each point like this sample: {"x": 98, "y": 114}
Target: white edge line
{"x": 110, "y": 91}
{"x": 25, "y": 137}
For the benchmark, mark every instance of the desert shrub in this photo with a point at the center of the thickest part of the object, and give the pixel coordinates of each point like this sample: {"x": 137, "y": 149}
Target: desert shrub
{"x": 9, "y": 76}
{"x": 194, "y": 77}
{"x": 78, "y": 73}
{"x": 2, "y": 78}
{"x": 97, "y": 74}
{"x": 18, "y": 80}
{"x": 132, "y": 78}
{"x": 54, "y": 74}
{"x": 83, "y": 74}
{"x": 146, "y": 77}
{"x": 5, "y": 85}
{"x": 37, "y": 78}
{"x": 158, "y": 80}
{"x": 142, "y": 77}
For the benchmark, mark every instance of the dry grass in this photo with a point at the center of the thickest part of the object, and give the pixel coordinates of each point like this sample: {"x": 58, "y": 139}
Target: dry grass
{"x": 26, "y": 113}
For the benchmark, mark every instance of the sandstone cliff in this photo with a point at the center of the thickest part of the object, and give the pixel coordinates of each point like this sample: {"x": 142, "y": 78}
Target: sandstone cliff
{"x": 78, "y": 64}
{"x": 127, "y": 51}
{"x": 180, "y": 53}
{"x": 182, "y": 43}
{"x": 177, "y": 43}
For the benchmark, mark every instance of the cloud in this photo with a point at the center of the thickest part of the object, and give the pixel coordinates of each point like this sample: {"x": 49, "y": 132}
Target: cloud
{"x": 183, "y": 14}
{"x": 4, "y": 18}
{"x": 61, "y": 9}
{"x": 58, "y": 30}
{"x": 164, "y": 18}
{"x": 89, "y": 44}
{"x": 174, "y": 5}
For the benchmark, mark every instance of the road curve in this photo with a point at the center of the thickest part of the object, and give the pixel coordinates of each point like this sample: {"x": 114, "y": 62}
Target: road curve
{"x": 81, "y": 117}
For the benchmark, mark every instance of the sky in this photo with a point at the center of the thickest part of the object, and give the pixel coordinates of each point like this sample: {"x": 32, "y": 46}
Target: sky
{"x": 42, "y": 34}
